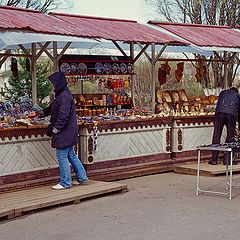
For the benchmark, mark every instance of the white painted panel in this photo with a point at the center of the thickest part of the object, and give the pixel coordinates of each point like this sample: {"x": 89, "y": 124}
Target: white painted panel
{"x": 129, "y": 143}
{"x": 26, "y": 155}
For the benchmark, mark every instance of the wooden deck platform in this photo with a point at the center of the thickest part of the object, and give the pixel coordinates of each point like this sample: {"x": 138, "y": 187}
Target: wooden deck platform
{"x": 205, "y": 169}
{"x": 14, "y": 204}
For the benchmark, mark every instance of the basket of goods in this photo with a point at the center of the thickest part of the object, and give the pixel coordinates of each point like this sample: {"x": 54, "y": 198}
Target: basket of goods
{"x": 175, "y": 97}
{"x": 166, "y": 108}
{"x": 166, "y": 96}
{"x": 212, "y": 99}
{"x": 182, "y": 95}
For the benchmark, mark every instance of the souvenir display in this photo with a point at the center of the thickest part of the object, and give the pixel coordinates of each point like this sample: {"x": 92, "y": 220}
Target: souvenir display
{"x": 177, "y": 103}
{"x": 82, "y": 68}
{"x": 107, "y": 68}
{"x": 123, "y": 68}
{"x": 99, "y": 68}
{"x": 74, "y": 68}
{"x": 65, "y": 68}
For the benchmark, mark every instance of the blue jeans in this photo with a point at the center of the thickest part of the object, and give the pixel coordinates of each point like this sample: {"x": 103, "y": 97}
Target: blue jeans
{"x": 65, "y": 156}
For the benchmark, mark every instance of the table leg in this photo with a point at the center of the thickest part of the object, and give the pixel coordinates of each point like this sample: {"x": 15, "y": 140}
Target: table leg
{"x": 198, "y": 172}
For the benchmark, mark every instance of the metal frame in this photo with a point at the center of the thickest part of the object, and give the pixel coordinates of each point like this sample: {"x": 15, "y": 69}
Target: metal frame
{"x": 229, "y": 185}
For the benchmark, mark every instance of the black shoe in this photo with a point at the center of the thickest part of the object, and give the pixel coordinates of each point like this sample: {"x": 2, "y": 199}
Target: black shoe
{"x": 213, "y": 162}
{"x": 233, "y": 163}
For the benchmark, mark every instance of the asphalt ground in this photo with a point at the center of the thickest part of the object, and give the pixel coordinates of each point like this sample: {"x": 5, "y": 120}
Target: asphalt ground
{"x": 162, "y": 206}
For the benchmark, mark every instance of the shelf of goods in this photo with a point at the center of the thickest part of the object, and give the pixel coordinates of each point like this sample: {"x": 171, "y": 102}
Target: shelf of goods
{"x": 99, "y": 83}
{"x": 192, "y": 125}
{"x": 126, "y": 148}
{"x": 97, "y": 104}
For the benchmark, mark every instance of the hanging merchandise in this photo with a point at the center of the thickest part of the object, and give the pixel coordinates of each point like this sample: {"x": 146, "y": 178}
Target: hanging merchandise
{"x": 28, "y": 66}
{"x": 163, "y": 72}
{"x": 14, "y": 68}
{"x": 201, "y": 71}
{"x": 179, "y": 71}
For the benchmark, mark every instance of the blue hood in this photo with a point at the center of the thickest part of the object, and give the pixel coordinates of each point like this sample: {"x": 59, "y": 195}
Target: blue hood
{"x": 58, "y": 80}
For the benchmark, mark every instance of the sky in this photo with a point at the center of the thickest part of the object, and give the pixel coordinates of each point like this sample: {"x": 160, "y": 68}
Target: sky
{"x": 121, "y": 9}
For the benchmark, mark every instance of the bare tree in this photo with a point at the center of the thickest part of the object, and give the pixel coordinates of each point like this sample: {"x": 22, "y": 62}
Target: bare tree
{"x": 217, "y": 12}
{"x": 40, "y": 5}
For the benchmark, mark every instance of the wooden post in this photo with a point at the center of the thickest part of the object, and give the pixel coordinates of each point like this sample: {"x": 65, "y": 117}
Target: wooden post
{"x": 153, "y": 62}
{"x": 55, "y": 57}
{"x": 225, "y": 79}
{"x": 34, "y": 74}
{"x": 133, "y": 76}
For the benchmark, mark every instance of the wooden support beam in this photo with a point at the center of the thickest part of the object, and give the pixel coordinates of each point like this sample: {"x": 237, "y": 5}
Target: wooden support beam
{"x": 160, "y": 53}
{"x": 133, "y": 76}
{"x": 64, "y": 50}
{"x": 46, "y": 51}
{"x": 145, "y": 53}
{"x": 225, "y": 79}
{"x": 43, "y": 48}
{"x": 55, "y": 56}
{"x": 34, "y": 73}
{"x": 188, "y": 60}
{"x": 26, "y": 51}
{"x": 141, "y": 52}
{"x": 4, "y": 58}
{"x": 153, "y": 62}
{"x": 14, "y": 55}
{"x": 119, "y": 48}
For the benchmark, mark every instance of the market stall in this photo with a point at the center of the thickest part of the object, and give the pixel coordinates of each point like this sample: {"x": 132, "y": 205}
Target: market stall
{"x": 116, "y": 31}
{"x": 114, "y": 141}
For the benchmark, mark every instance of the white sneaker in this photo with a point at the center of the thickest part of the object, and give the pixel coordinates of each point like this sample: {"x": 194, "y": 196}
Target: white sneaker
{"x": 58, "y": 187}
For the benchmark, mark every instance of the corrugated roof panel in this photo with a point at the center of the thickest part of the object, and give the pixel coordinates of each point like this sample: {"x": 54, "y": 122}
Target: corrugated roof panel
{"x": 74, "y": 25}
{"x": 203, "y": 35}
{"x": 31, "y": 20}
{"x": 116, "y": 29}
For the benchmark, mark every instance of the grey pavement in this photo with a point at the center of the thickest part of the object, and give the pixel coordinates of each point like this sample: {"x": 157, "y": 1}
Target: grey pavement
{"x": 162, "y": 206}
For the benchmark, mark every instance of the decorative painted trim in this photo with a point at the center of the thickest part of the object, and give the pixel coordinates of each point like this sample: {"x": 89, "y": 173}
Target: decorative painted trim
{"x": 168, "y": 138}
{"x": 90, "y": 145}
{"x": 179, "y": 136}
{"x": 195, "y": 120}
{"x": 130, "y": 124}
{"x": 10, "y": 133}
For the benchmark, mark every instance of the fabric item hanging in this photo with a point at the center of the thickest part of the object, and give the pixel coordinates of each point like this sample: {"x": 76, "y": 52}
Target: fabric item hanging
{"x": 14, "y": 68}
{"x": 28, "y": 66}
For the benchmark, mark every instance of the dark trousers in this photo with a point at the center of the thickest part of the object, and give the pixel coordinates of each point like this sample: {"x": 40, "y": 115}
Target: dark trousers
{"x": 220, "y": 120}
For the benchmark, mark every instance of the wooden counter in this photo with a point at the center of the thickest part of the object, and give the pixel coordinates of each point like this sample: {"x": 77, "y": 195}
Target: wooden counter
{"x": 127, "y": 148}
{"x": 25, "y": 154}
{"x": 188, "y": 132}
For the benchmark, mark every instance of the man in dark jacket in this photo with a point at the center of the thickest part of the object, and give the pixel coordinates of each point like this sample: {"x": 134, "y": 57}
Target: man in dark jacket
{"x": 227, "y": 111}
{"x": 64, "y": 131}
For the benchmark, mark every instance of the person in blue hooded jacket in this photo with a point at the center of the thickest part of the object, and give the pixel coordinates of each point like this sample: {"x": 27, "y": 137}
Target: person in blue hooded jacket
{"x": 64, "y": 132}
{"x": 227, "y": 113}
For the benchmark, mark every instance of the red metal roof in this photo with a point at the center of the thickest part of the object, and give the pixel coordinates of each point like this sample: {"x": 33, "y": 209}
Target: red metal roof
{"x": 31, "y": 20}
{"x": 203, "y": 35}
{"x": 115, "y": 29}
{"x": 82, "y": 26}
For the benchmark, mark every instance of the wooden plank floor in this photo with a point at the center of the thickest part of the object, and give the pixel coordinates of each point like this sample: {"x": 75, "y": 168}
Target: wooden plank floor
{"x": 205, "y": 169}
{"x": 14, "y": 204}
